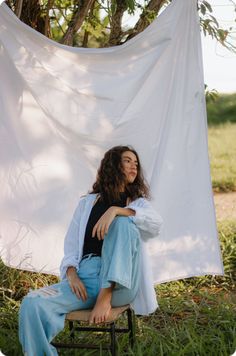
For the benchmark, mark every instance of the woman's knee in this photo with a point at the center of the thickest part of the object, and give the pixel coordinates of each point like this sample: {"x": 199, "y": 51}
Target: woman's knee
{"x": 29, "y": 305}
{"x": 124, "y": 221}
{"x": 36, "y": 298}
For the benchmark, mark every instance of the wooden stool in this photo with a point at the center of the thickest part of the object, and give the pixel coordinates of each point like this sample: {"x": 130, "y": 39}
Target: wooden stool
{"x": 109, "y": 326}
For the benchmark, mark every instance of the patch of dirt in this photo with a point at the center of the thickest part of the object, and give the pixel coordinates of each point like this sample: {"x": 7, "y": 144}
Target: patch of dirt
{"x": 225, "y": 205}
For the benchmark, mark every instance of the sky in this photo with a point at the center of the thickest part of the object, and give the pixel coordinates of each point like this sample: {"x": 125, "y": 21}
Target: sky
{"x": 220, "y": 63}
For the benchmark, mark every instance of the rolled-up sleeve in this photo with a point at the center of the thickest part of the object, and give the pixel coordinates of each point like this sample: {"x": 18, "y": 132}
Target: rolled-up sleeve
{"x": 71, "y": 241}
{"x": 146, "y": 218}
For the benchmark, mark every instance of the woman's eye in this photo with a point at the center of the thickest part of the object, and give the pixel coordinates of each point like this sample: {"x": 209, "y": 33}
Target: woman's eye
{"x": 128, "y": 161}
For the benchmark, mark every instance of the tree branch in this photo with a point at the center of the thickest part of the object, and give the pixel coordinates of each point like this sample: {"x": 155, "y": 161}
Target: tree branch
{"x": 142, "y": 23}
{"x": 77, "y": 20}
{"x": 18, "y": 8}
{"x": 86, "y": 33}
{"x": 47, "y": 29}
{"x": 116, "y": 30}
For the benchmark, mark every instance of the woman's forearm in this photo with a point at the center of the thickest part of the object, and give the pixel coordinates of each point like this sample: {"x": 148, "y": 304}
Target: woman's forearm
{"x": 124, "y": 211}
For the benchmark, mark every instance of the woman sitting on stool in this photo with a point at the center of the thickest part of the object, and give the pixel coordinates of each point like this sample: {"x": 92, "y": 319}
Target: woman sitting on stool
{"x": 105, "y": 262}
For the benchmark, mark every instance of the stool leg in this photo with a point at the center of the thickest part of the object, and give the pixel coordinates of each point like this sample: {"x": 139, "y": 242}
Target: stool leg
{"x": 71, "y": 328}
{"x": 113, "y": 340}
{"x": 130, "y": 327}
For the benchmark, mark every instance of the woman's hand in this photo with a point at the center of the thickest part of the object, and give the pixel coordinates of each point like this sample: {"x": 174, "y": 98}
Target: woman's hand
{"x": 76, "y": 284}
{"x": 102, "y": 226}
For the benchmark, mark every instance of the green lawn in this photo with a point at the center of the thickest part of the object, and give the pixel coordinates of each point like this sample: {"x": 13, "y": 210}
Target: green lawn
{"x": 221, "y": 117}
{"x": 222, "y": 153}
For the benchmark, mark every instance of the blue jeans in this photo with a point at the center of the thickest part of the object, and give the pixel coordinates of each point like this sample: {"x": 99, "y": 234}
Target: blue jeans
{"x": 42, "y": 313}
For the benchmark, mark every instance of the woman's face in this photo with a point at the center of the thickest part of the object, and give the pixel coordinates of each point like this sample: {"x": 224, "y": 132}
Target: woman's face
{"x": 129, "y": 164}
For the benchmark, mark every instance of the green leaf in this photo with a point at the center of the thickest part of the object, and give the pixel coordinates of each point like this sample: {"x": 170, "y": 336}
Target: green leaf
{"x": 105, "y": 21}
{"x": 208, "y": 6}
{"x": 214, "y": 20}
{"x": 113, "y": 7}
{"x": 131, "y": 6}
{"x": 203, "y": 9}
{"x": 222, "y": 34}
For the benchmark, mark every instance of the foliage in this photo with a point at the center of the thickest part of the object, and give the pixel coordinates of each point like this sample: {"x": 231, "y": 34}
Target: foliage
{"x": 210, "y": 25}
{"x": 210, "y": 95}
{"x": 221, "y": 108}
{"x": 100, "y": 23}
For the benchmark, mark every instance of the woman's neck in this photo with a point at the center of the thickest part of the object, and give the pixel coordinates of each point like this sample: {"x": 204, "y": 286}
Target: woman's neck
{"x": 122, "y": 189}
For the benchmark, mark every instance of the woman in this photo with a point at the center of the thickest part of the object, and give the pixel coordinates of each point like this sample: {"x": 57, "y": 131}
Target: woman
{"x": 105, "y": 262}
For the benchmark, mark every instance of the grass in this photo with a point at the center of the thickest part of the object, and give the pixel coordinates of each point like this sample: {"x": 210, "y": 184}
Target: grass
{"x": 222, "y": 154}
{"x": 197, "y": 316}
{"x": 221, "y": 114}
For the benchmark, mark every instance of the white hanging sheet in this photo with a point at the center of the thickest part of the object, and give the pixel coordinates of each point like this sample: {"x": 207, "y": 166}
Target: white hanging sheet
{"x": 61, "y": 108}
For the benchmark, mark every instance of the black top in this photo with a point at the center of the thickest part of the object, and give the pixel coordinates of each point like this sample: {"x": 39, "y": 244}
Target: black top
{"x": 92, "y": 244}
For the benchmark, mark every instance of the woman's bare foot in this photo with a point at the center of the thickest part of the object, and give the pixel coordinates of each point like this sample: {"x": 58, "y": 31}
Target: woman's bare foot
{"x": 102, "y": 308}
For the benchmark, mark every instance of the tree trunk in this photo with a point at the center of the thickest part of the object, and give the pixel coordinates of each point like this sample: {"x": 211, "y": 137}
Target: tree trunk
{"x": 31, "y": 15}
{"x": 153, "y": 5}
{"x": 116, "y": 20}
{"x": 47, "y": 29}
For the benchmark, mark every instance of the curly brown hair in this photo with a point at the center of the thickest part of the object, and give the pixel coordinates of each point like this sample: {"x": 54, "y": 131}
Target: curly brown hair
{"x": 110, "y": 177}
